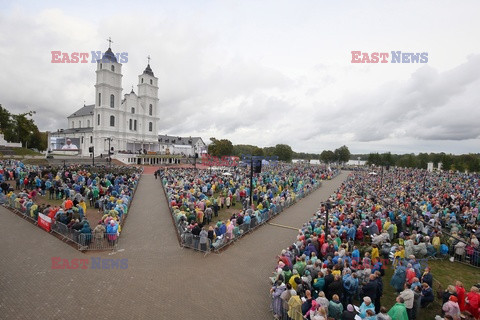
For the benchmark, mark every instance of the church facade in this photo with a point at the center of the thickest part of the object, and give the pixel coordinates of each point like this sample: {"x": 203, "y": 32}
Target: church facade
{"x": 122, "y": 123}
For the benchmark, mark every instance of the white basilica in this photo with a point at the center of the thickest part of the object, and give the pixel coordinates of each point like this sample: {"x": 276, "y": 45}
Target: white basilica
{"x": 127, "y": 124}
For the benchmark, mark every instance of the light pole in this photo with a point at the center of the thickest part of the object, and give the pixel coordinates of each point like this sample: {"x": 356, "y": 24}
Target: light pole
{"x": 424, "y": 181}
{"x": 109, "y": 150}
{"x": 252, "y": 159}
{"x": 381, "y": 179}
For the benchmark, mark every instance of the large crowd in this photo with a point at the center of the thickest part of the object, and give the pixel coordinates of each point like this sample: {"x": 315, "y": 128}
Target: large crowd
{"x": 197, "y": 196}
{"x": 108, "y": 190}
{"x": 335, "y": 269}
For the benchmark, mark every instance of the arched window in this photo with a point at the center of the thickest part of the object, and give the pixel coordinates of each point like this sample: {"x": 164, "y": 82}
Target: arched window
{"x": 113, "y": 68}
{"x": 112, "y": 101}
{"x": 88, "y": 123}
{"x": 99, "y": 99}
{"x": 151, "y": 81}
{"x": 82, "y": 139}
{"x": 135, "y": 125}
{"x": 73, "y": 124}
{"x": 150, "y": 110}
{"x": 142, "y": 80}
{"x": 91, "y": 139}
{"x": 133, "y": 110}
{"x": 112, "y": 121}
{"x": 150, "y": 126}
{"x": 101, "y": 66}
{"x": 130, "y": 124}
{"x": 79, "y": 124}
{"x": 98, "y": 120}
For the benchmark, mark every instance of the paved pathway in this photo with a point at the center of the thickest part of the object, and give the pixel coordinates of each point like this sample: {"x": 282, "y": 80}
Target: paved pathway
{"x": 163, "y": 281}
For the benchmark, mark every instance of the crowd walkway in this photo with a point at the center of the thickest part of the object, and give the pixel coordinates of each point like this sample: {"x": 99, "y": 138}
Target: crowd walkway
{"x": 162, "y": 281}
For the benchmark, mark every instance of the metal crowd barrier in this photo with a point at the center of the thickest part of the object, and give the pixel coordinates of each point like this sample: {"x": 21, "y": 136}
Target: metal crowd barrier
{"x": 19, "y": 210}
{"x": 65, "y": 233}
{"x": 93, "y": 241}
{"x": 187, "y": 240}
{"x": 296, "y": 314}
{"x": 83, "y": 241}
{"x": 465, "y": 255}
{"x": 197, "y": 243}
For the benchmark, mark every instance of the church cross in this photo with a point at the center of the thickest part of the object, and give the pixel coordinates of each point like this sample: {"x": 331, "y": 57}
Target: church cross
{"x": 109, "y": 42}
{"x": 148, "y": 59}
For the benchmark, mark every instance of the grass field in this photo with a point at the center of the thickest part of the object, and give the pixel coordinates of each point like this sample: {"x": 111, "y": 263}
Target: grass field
{"x": 444, "y": 273}
{"x": 38, "y": 162}
{"x": 25, "y": 152}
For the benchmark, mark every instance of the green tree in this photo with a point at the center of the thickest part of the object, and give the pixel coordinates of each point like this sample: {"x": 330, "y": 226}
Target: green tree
{"x": 422, "y": 160}
{"x": 447, "y": 161}
{"x": 269, "y": 151}
{"x": 468, "y": 162}
{"x": 220, "y": 148}
{"x": 246, "y": 149}
{"x": 7, "y": 124}
{"x": 342, "y": 154}
{"x": 283, "y": 152}
{"x": 387, "y": 159}
{"x": 327, "y": 156}
{"x": 22, "y": 128}
{"x": 407, "y": 160}
{"x": 374, "y": 159}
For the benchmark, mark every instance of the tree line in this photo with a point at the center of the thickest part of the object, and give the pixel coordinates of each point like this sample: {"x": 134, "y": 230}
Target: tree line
{"x": 284, "y": 152}
{"x": 470, "y": 162}
{"x": 21, "y": 128}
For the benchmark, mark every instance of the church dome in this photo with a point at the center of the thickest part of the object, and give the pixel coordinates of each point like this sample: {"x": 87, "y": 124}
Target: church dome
{"x": 148, "y": 71}
{"x": 109, "y": 55}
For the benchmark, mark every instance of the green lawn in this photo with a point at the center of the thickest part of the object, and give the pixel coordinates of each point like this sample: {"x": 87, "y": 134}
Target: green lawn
{"x": 444, "y": 273}
{"x": 38, "y": 162}
{"x": 25, "y": 152}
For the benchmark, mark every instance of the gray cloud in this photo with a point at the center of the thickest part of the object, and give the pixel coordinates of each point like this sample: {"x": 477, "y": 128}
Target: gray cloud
{"x": 218, "y": 80}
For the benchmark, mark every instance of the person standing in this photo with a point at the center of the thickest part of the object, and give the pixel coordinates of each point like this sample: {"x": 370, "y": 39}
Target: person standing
{"x": 460, "y": 295}
{"x": 408, "y": 296}
{"x": 473, "y": 302}
{"x": 451, "y": 307}
{"x": 398, "y": 311}
{"x": 416, "y": 301}
{"x": 203, "y": 239}
{"x": 379, "y": 291}
{"x": 370, "y": 288}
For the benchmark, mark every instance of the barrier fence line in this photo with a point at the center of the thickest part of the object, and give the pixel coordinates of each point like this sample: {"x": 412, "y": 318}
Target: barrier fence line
{"x": 83, "y": 241}
{"x": 188, "y": 240}
{"x": 470, "y": 257}
{"x": 285, "y": 313}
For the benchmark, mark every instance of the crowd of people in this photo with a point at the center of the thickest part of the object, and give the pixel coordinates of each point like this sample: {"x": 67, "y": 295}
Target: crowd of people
{"x": 335, "y": 269}
{"x": 197, "y": 196}
{"x": 108, "y": 190}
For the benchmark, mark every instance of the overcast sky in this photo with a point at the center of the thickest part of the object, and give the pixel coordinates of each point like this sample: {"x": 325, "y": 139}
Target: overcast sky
{"x": 262, "y": 72}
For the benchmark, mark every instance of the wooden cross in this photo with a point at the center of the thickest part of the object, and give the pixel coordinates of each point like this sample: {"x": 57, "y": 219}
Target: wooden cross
{"x": 109, "y": 42}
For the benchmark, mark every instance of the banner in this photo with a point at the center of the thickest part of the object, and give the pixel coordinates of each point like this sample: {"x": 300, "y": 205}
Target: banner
{"x": 44, "y": 222}
{"x": 225, "y": 161}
